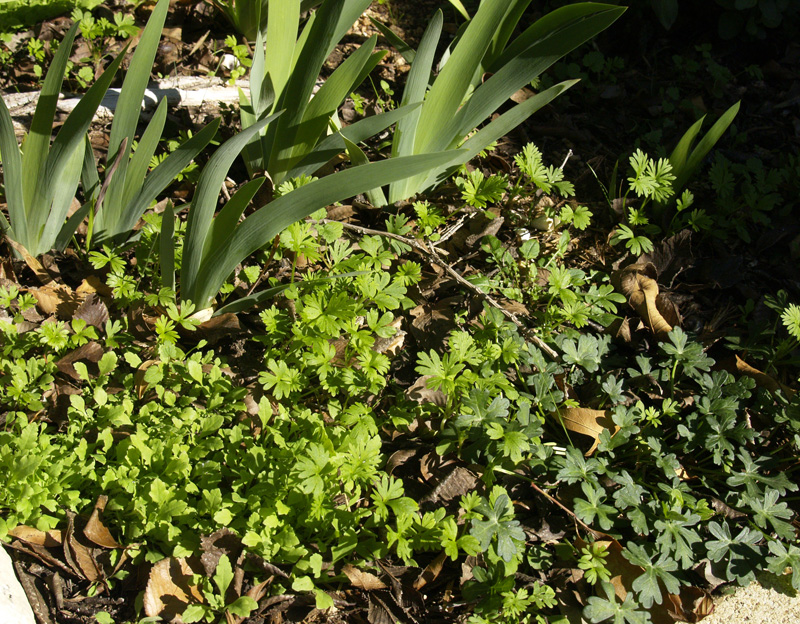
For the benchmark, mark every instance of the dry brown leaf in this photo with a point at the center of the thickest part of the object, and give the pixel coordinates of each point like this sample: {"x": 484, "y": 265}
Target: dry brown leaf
{"x": 620, "y": 328}
{"x": 431, "y": 571}
{"x": 93, "y": 310}
{"x": 340, "y": 213}
{"x": 41, "y": 273}
{"x": 220, "y": 542}
{"x": 218, "y": 327}
{"x": 169, "y": 589}
{"x": 514, "y": 307}
{"x": 90, "y": 352}
{"x": 398, "y": 458}
{"x": 522, "y": 95}
{"x": 454, "y": 484}
{"x": 95, "y": 530}
{"x": 138, "y": 377}
{"x": 50, "y": 539}
{"x": 638, "y": 283}
{"x": 93, "y": 284}
{"x": 623, "y": 572}
{"x": 78, "y": 556}
{"x": 361, "y": 579}
{"x": 421, "y": 393}
{"x": 256, "y": 592}
{"x": 393, "y": 344}
{"x": 586, "y": 421}
{"x": 56, "y": 299}
{"x": 762, "y": 379}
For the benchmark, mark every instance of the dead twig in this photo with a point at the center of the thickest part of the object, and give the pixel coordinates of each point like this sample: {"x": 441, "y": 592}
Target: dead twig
{"x": 431, "y": 253}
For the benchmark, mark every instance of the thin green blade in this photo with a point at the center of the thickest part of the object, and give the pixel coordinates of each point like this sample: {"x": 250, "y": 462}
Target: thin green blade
{"x": 205, "y": 200}
{"x": 12, "y": 176}
{"x": 37, "y": 143}
{"x": 129, "y": 104}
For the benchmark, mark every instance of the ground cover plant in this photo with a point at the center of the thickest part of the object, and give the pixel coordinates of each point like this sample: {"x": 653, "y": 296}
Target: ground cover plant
{"x": 540, "y": 391}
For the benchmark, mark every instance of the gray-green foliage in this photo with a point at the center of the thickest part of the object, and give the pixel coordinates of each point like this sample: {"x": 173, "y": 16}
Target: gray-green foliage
{"x": 129, "y": 186}
{"x": 40, "y": 179}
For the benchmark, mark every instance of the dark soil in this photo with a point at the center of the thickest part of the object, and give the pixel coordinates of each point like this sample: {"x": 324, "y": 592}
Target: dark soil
{"x": 601, "y": 120}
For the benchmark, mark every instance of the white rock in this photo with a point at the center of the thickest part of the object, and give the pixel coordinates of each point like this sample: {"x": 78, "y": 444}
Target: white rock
{"x": 14, "y": 606}
{"x": 229, "y": 62}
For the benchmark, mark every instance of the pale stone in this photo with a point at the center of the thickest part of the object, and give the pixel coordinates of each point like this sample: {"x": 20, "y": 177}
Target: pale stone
{"x": 14, "y": 606}
{"x": 772, "y": 600}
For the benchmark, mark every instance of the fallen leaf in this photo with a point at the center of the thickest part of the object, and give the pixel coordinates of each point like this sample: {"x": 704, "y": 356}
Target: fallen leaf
{"x": 586, "y": 421}
{"x": 421, "y": 393}
{"x": 514, "y": 307}
{"x": 391, "y": 345}
{"x": 138, "y": 377}
{"x": 398, "y": 458}
{"x": 455, "y": 484}
{"x": 218, "y": 327}
{"x": 620, "y": 328}
{"x": 93, "y": 284}
{"x": 483, "y": 227}
{"x": 522, "y": 95}
{"x": 79, "y": 556}
{"x": 340, "y": 213}
{"x": 41, "y": 273}
{"x": 50, "y": 539}
{"x": 363, "y": 580}
{"x": 623, "y": 572}
{"x": 431, "y": 571}
{"x": 56, "y": 299}
{"x": 90, "y": 352}
{"x": 762, "y": 379}
{"x": 169, "y": 590}
{"x": 671, "y": 256}
{"x": 202, "y": 315}
{"x": 221, "y": 542}
{"x": 93, "y": 310}
{"x": 638, "y": 283}
{"x": 95, "y": 530}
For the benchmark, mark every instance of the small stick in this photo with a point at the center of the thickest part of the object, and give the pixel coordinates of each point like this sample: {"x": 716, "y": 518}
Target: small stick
{"x": 434, "y": 257}
{"x": 566, "y": 158}
{"x": 552, "y": 499}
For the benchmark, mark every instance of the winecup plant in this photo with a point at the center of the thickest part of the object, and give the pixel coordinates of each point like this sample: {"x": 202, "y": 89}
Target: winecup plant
{"x": 283, "y": 77}
{"x": 40, "y": 180}
{"x": 481, "y": 72}
{"x": 115, "y": 206}
{"x": 249, "y": 17}
{"x": 215, "y": 245}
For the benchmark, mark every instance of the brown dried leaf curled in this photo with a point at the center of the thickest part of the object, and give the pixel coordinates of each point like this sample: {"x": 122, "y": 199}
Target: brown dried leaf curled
{"x": 762, "y": 379}
{"x": 95, "y": 530}
{"x": 638, "y": 283}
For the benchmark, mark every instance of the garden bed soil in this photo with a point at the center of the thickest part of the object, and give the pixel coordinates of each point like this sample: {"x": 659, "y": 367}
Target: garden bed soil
{"x": 593, "y": 126}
